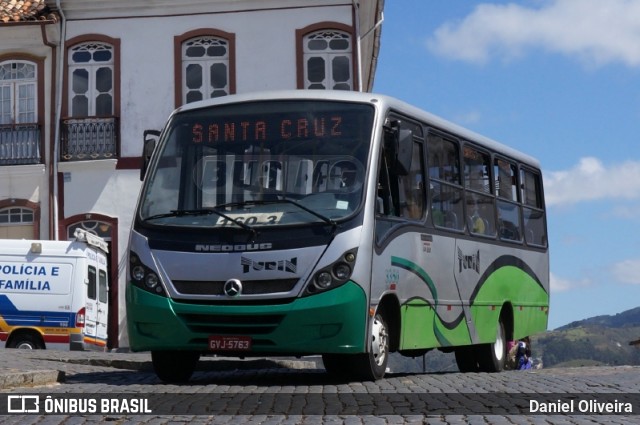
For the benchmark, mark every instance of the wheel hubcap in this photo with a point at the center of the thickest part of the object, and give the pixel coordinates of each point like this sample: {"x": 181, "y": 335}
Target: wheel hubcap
{"x": 498, "y": 346}
{"x": 379, "y": 338}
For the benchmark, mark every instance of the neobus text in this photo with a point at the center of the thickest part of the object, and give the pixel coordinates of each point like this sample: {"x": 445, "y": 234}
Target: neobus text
{"x": 234, "y": 248}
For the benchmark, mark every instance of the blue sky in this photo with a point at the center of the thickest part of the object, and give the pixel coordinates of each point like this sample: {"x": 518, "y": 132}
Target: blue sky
{"x": 559, "y": 80}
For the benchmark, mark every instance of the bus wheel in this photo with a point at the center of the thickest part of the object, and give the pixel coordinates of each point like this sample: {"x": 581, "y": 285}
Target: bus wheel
{"x": 366, "y": 366}
{"x": 26, "y": 341}
{"x": 466, "y": 359}
{"x": 373, "y": 365}
{"x": 492, "y": 357}
{"x": 174, "y": 366}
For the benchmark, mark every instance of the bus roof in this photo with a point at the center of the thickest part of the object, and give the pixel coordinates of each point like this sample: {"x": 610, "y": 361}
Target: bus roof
{"x": 380, "y": 101}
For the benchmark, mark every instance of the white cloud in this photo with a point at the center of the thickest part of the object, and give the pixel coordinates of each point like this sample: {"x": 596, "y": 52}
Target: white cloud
{"x": 627, "y": 271}
{"x": 559, "y": 284}
{"x": 596, "y": 31}
{"x": 591, "y": 180}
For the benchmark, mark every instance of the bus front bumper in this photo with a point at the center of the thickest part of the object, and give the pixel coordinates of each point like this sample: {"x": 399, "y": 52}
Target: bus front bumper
{"x": 329, "y": 322}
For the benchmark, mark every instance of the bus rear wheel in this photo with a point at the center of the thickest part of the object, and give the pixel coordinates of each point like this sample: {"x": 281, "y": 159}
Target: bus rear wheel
{"x": 174, "y": 366}
{"x": 492, "y": 357}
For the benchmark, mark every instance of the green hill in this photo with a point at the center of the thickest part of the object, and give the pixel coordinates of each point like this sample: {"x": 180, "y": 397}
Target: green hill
{"x": 602, "y": 340}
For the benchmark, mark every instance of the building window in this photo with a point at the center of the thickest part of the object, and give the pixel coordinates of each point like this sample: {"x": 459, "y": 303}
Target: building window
{"x": 18, "y": 88}
{"x": 91, "y": 128}
{"x": 16, "y": 223}
{"x": 91, "y": 80}
{"x": 99, "y": 228}
{"x": 19, "y": 128}
{"x": 327, "y": 60}
{"x": 205, "y": 68}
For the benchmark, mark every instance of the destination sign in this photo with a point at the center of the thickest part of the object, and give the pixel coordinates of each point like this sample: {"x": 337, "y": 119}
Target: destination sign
{"x": 256, "y": 130}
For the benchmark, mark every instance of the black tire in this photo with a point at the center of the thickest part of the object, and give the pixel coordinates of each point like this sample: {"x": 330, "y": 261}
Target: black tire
{"x": 174, "y": 366}
{"x": 26, "y": 341}
{"x": 338, "y": 365}
{"x": 492, "y": 357}
{"x": 466, "y": 359}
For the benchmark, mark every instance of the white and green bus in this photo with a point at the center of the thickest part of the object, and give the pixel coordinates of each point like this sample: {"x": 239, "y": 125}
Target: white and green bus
{"x": 345, "y": 224}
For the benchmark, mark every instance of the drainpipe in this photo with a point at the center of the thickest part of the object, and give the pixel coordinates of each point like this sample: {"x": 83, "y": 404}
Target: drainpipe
{"x": 56, "y": 138}
{"x": 356, "y": 7}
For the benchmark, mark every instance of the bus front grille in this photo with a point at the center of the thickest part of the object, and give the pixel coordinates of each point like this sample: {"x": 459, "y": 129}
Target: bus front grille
{"x": 249, "y": 287}
{"x": 219, "y": 324}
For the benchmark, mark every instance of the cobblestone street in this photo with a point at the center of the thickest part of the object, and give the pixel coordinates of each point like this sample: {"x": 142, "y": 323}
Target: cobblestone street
{"x": 292, "y": 391}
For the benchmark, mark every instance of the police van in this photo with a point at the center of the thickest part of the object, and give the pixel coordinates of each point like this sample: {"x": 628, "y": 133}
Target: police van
{"x": 54, "y": 294}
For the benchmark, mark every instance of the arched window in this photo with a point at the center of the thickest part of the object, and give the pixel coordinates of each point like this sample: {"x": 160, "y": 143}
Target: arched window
{"x": 18, "y": 92}
{"x": 205, "y": 68}
{"x": 327, "y": 60}
{"x": 16, "y": 223}
{"x": 91, "y": 77}
{"x": 99, "y": 228}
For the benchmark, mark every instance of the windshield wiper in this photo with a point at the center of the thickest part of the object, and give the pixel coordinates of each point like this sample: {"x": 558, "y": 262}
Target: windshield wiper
{"x": 205, "y": 211}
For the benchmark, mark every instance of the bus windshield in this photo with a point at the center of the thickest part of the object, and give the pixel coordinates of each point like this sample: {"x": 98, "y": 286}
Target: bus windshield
{"x": 260, "y": 164}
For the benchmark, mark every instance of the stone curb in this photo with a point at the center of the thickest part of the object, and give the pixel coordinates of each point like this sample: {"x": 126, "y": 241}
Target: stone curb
{"x": 15, "y": 378}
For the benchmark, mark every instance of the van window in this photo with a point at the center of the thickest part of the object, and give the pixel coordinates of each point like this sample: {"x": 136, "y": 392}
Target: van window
{"x": 91, "y": 290}
{"x": 102, "y": 287}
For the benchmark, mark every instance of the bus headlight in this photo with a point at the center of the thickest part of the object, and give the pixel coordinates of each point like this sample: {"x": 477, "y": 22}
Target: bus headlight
{"x": 151, "y": 280}
{"x": 342, "y": 271}
{"x": 323, "y": 280}
{"x": 334, "y": 275}
{"x": 137, "y": 272}
{"x": 143, "y": 277}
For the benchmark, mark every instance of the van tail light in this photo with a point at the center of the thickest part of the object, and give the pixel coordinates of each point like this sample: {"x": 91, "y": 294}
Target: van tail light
{"x": 80, "y": 318}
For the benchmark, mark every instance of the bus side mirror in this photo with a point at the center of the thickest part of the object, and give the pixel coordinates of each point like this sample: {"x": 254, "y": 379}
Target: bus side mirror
{"x": 150, "y": 138}
{"x": 399, "y": 143}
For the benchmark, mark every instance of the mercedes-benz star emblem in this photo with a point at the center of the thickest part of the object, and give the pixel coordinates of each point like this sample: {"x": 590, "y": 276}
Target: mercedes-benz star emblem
{"x": 233, "y": 287}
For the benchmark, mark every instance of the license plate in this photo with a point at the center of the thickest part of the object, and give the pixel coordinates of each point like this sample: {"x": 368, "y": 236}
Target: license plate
{"x": 229, "y": 343}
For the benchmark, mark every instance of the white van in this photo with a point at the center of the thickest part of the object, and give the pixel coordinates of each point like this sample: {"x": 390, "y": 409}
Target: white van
{"x": 54, "y": 294}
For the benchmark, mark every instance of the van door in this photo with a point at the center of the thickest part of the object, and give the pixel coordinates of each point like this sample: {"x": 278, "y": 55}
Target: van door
{"x": 102, "y": 304}
{"x": 91, "y": 316}
{"x": 97, "y": 302}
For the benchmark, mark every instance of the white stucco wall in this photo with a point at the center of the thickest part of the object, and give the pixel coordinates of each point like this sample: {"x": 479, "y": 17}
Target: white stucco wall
{"x": 265, "y": 60}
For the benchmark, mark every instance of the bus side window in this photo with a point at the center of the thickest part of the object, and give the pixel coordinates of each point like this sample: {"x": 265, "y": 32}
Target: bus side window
{"x": 533, "y": 208}
{"x": 411, "y": 187}
{"x": 447, "y": 205}
{"x": 401, "y": 192}
{"x": 479, "y": 192}
{"x": 508, "y": 208}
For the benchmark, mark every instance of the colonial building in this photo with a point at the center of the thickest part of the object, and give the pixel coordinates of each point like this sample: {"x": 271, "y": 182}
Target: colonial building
{"x": 81, "y": 81}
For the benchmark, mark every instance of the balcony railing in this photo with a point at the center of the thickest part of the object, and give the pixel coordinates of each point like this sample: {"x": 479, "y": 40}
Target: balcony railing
{"x": 20, "y": 144}
{"x": 83, "y": 139}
